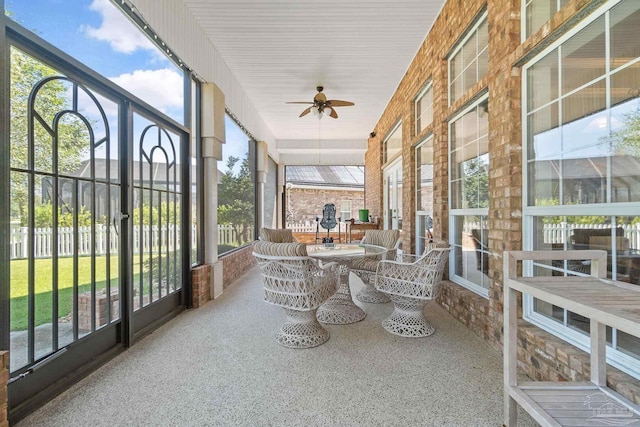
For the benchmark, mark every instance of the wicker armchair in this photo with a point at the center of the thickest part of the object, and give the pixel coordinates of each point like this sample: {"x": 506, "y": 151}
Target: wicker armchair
{"x": 298, "y": 284}
{"x": 410, "y": 285}
{"x": 365, "y": 268}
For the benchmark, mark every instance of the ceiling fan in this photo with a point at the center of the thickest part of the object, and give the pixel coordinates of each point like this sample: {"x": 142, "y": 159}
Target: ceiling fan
{"x": 321, "y": 105}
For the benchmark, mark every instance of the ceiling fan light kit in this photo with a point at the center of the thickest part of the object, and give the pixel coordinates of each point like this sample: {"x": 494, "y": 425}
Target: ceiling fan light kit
{"x": 321, "y": 105}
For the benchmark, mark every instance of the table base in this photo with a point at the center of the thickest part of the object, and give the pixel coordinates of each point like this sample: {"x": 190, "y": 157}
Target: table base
{"x": 340, "y": 308}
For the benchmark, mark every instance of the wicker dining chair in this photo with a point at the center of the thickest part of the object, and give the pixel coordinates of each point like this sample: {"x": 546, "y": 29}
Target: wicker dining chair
{"x": 365, "y": 268}
{"x": 299, "y": 284}
{"x": 410, "y": 285}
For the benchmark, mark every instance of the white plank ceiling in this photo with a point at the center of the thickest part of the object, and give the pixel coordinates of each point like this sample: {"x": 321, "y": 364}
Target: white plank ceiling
{"x": 280, "y": 50}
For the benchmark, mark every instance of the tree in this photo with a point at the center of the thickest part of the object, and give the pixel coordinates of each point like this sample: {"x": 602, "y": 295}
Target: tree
{"x": 236, "y": 199}
{"x": 626, "y": 140}
{"x": 475, "y": 189}
{"x": 73, "y": 136}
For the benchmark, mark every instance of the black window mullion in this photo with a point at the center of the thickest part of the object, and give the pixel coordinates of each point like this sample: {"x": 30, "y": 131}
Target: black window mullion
{"x": 92, "y": 168}
{"x": 152, "y": 233}
{"x": 31, "y": 303}
{"x": 5, "y": 190}
{"x": 108, "y": 216}
{"x": 167, "y": 234}
{"x": 76, "y": 248}
{"x": 54, "y": 243}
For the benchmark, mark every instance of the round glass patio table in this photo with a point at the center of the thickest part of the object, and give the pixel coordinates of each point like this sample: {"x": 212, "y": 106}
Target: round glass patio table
{"x": 340, "y": 308}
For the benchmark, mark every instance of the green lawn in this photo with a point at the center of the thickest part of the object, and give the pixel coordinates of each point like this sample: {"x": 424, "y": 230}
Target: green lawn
{"x": 43, "y": 289}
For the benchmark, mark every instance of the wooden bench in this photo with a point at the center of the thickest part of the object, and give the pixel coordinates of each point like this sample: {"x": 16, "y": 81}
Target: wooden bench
{"x": 604, "y": 302}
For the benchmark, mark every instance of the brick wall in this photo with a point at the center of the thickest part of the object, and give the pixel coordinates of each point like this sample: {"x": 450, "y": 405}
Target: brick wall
{"x": 469, "y": 308}
{"x": 428, "y": 65}
{"x": 305, "y": 204}
{"x": 236, "y": 263}
{"x": 505, "y": 151}
{"x": 4, "y": 378}
{"x": 200, "y": 288}
{"x": 542, "y": 356}
{"x": 545, "y": 357}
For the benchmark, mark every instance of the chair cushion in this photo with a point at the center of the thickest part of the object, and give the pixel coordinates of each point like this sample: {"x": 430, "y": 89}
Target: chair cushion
{"x": 365, "y": 264}
{"x": 280, "y": 249}
{"x": 385, "y": 238}
{"x": 277, "y": 235}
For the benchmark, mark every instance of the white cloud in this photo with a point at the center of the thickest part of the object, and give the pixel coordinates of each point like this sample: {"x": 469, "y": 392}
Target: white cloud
{"x": 159, "y": 88}
{"x": 117, "y": 30}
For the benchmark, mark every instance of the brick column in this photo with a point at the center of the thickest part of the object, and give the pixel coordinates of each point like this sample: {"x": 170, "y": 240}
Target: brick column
{"x": 4, "y": 379}
{"x": 505, "y": 151}
{"x": 200, "y": 279}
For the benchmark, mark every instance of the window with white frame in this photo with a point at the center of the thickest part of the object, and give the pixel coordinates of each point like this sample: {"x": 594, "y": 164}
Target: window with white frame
{"x": 468, "y": 62}
{"x": 424, "y": 108}
{"x": 424, "y": 193}
{"x": 469, "y": 196}
{"x": 582, "y": 155}
{"x": 345, "y": 210}
{"x": 537, "y": 13}
{"x": 392, "y": 144}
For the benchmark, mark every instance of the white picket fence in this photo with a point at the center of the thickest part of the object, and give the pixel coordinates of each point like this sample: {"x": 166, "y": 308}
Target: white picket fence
{"x": 558, "y": 233}
{"x": 151, "y": 238}
{"x": 310, "y": 227}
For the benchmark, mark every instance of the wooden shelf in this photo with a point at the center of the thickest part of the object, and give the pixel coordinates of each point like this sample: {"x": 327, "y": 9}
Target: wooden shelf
{"x": 359, "y": 226}
{"x": 604, "y": 302}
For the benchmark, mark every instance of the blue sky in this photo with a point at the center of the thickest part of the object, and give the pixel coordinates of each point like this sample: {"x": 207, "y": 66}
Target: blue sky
{"x": 99, "y": 35}
{"x": 63, "y": 24}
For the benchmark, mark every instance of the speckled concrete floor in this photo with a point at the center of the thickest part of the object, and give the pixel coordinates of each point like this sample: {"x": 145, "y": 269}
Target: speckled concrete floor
{"x": 219, "y": 365}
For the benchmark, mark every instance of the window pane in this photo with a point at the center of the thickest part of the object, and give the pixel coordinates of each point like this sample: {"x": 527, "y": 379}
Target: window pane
{"x": 424, "y": 110}
{"x": 394, "y": 143}
{"x": 625, "y": 33}
{"x": 544, "y": 134}
{"x": 537, "y": 13}
{"x": 628, "y": 344}
{"x": 583, "y": 56}
{"x": 577, "y": 107}
{"x": 470, "y": 51}
{"x": 625, "y": 86}
{"x": 471, "y": 253}
{"x": 542, "y": 81}
{"x": 424, "y": 174}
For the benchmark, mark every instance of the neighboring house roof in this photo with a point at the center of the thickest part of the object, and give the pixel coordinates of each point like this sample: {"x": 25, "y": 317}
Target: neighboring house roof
{"x": 330, "y": 176}
{"x": 159, "y": 170}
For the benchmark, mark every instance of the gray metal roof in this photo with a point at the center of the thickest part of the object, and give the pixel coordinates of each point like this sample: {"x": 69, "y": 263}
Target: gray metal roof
{"x": 340, "y": 176}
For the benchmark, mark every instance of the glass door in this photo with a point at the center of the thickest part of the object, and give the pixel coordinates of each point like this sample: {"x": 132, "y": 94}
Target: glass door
{"x": 424, "y": 194}
{"x": 98, "y": 253}
{"x": 393, "y": 196}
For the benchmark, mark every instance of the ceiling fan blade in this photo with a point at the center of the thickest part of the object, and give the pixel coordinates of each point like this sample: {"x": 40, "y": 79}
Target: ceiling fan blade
{"x": 305, "y": 112}
{"x": 299, "y": 102}
{"x": 338, "y": 103}
{"x": 332, "y": 113}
